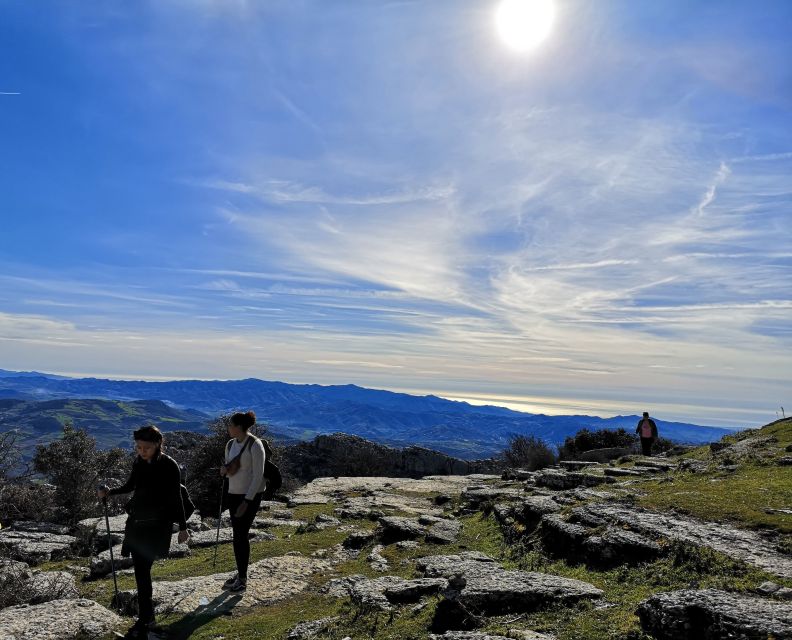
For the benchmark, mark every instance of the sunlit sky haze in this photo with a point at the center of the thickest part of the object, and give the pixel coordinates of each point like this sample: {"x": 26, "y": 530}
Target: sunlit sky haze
{"x": 387, "y": 193}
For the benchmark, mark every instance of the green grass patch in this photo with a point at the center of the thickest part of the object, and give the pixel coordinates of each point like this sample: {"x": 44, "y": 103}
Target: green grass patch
{"x": 740, "y": 497}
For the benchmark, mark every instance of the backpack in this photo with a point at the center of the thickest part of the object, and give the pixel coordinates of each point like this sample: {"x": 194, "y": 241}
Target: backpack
{"x": 272, "y": 474}
{"x": 187, "y": 503}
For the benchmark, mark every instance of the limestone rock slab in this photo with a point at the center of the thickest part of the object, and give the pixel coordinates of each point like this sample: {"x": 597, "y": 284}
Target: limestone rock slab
{"x": 58, "y": 620}
{"x": 696, "y": 615}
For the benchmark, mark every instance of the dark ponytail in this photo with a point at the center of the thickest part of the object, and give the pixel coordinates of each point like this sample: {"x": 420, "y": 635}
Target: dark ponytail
{"x": 244, "y": 420}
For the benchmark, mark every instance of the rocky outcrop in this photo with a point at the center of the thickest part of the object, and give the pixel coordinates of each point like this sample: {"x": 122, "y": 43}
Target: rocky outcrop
{"x": 100, "y": 563}
{"x": 561, "y": 480}
{"x": 712, "y": 614}
{"x": 382, "y": 593}
{"x": 478, "y": 635}
{"x": 739, "y": 544}
{"x": 58, "y": 620}
{"x": 310, "y": 629}
{"x": 35, "y": 547}
{"x": 481, "y": 586}
{"x": 270, "y": 580}
{"x": 341, "y": 454}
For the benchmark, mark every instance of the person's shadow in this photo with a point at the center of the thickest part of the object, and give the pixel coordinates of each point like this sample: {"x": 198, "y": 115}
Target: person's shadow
{"x": 185, "y": 627}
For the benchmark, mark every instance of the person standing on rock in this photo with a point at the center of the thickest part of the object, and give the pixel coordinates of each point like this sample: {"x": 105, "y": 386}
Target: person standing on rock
{"x": 244, "y": 468}
{"x": 647, "y": 430}
{"x": 155, "y": 505}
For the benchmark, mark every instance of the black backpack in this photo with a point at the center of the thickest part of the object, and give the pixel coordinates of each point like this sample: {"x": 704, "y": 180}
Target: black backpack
{"x": 271, "y": 472}
{"x": 187, "y": 503}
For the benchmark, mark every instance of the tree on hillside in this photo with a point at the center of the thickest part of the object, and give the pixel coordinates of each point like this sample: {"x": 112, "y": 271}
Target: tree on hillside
{"x": 587, "y": 440}
{"x": 528, "y": 452}
{"x": 75, "y": 466}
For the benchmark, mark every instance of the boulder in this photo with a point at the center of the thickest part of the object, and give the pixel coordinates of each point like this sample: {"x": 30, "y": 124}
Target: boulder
{"x": 395, "y": 528}
{"x": 560, "y": 480}
{"x": 324, "y": 521}
{"x": 358, "y": 539}
{"x": 310, "y": 629}
{"x": 34, "y": 547}
{"x": 444, "y": 532}
{"x": 382, "y": 593}
{"x": 94, "y": 530}
{"x": 618, "y": 546}
{"x": 562, "y": 537}
{"x": 58, "y": 620}
{"x": 713, "y": 614}
{"x": 477, "y": 584}
{"x": 534, "y": 508}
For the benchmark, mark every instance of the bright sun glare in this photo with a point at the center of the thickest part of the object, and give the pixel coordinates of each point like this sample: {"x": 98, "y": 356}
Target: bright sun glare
{"x": 524, "y": 24}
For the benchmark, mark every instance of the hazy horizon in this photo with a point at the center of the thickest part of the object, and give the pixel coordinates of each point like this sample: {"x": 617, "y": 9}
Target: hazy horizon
{"x": 408, "y": 196}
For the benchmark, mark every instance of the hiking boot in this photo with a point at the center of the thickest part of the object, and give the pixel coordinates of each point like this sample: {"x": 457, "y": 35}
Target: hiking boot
{"x": 230, "y": 582}
{"x": 239, "y": 585}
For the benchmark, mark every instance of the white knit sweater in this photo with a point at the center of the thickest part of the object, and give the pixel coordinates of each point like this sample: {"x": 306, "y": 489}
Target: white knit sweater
{"x": 249, "y": 480}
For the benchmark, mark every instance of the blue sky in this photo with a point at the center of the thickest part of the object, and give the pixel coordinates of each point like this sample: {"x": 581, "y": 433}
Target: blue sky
{"x": 383, "y": 193}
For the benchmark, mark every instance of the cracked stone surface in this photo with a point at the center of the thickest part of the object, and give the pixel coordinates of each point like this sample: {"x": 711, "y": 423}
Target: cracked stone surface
{"x": 395, "y": 528}
{"x": 100, "y": 563}
{"x": 382, "y": 593}
{"x": 445, "y": 531}
{"x": 311, "y": 628}
{"x": 478, "y": 635}
{"x": 558, "y": 479}
{"x": 58, "y": 620}
{"x": 739, "y": 544}
{"x": 35, "y": 547}
{"x": 207, "y": 538}
{"x": 713, "y": 614}
{"x": 481, "y": 585}
{"x": 269, "y": 580}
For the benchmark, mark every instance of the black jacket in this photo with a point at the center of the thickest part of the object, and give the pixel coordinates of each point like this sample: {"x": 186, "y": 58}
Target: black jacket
{"x": 651, "y": 424}
{"x": 157, "y": 487}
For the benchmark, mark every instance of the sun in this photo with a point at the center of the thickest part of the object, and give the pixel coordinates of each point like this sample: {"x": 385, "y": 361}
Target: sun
{"x": 524, "y": 24}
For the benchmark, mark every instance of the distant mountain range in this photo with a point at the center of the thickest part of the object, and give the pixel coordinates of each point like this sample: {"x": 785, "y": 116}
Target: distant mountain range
{"x": 296, "y": 412}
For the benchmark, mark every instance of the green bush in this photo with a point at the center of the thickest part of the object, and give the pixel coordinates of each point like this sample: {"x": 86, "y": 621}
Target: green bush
{"x": 76, "y": 467}
{"x": 586, "y": 440}
{"x": 528, "y": 452}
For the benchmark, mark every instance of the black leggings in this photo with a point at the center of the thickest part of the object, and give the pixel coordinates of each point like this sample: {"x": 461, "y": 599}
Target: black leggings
{"x": 241, "y": 527}
{"x": 646, "y": 446}
{"x": 143, "y": 564}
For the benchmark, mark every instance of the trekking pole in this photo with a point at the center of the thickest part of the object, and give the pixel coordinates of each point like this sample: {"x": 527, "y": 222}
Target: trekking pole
{"x": 110, "y": 546}
{"x": 219, "y": 517}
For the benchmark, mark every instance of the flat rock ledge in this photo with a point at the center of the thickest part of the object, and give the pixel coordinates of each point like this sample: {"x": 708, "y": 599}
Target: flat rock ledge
{"x": 711, "y": 614}
{"x": 482, "y": 586}
{"x": 739, "y": 544}
{"x": 382, "y": 593}
{"x": 35, "y": 547}
{"x": 58, "y": 620}
{"x": 478, "y": 635}
{"x": 100, "y": 563}
{"x": 269, "y": 580}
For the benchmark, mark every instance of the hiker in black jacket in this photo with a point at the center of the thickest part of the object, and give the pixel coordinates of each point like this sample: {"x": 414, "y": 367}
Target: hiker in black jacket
{"x": 647, "y": 430}
{"x": 154, "y": 507}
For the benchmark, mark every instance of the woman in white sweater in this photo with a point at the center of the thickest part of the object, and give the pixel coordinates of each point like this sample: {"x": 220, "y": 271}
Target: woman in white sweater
{"x": 244, "y": 468}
